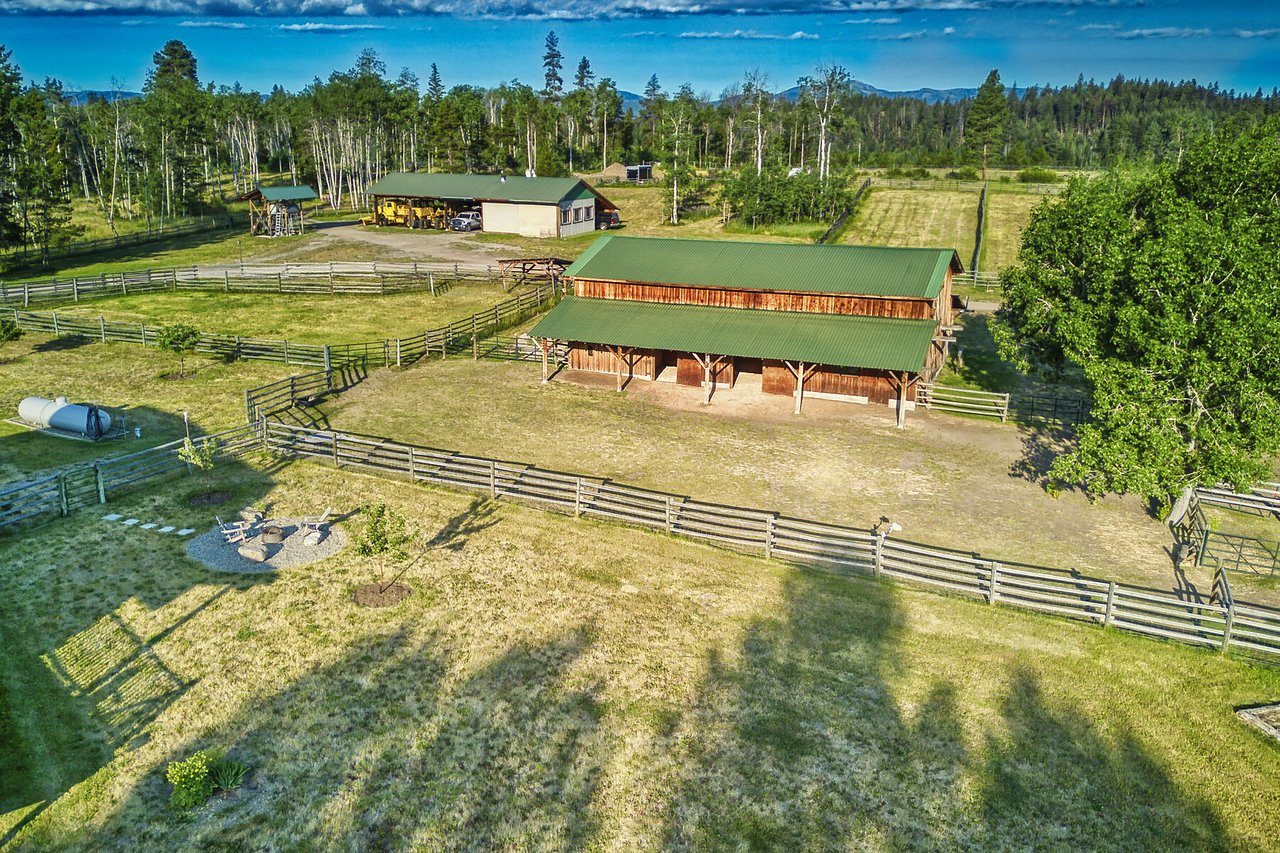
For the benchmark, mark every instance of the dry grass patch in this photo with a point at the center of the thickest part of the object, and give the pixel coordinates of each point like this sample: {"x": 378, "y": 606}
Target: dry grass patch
{"x": 304, "y": 319}
{"x": 949, "y": 481}
{"x": 920, "y": 218}
{"x": 566, "y": 684}
{"x": 1007, "y": 216}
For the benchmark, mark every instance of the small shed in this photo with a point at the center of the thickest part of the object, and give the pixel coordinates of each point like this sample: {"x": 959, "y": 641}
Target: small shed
{"x": 641, "y": 173}
{"x": 277, "y": 211}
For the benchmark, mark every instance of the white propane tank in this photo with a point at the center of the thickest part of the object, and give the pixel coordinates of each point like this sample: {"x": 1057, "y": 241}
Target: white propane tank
{"x": 59, "y": 414}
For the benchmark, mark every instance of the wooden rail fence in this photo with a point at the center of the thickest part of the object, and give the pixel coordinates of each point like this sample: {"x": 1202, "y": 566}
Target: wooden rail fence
{"x": 337, "y": 278}
{"x": 963, "y": 401}
{"x": 1222, "y": 625}
{"x": 61, "y": 492}
{"x": 846, "y": 213}
{"x": 451, "y": 339}
{"x": 28, "y": 256}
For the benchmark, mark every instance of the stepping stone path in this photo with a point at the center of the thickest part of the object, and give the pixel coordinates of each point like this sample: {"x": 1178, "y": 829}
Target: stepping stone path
{"x": 150, "y": 525}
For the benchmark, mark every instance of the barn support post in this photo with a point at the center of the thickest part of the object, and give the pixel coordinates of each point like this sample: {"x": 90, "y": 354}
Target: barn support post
{"x": 801, "y": 371}
{"x": 546, "y": 374}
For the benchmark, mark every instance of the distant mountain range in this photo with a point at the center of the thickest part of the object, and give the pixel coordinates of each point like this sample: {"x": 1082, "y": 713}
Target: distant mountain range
{"x": 82, "y": 97}
{"x": 631, "y": 101}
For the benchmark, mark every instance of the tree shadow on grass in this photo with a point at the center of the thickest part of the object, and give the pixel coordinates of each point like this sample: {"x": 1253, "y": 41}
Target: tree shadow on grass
{"x": 402, "y": 744}
{"x": 82, "y": 613}
{"x": 807, "y": 742}
{"x": 1041, "y": 447}
{"x": 1053, "y": 781}
{"x": 478, "y": 516}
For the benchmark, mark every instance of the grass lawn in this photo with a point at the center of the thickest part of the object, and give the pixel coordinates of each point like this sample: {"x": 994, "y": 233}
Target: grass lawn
{"x": 116, "y": 376}
{"x": 305, "y": 319}
{"x": 554, "y": 683}
{"x": 916, "y": 218}
{"x": 1007, "y": 215}
{"x": 953, "y": 482}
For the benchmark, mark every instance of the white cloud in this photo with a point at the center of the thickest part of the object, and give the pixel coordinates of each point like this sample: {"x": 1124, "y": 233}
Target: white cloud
{"x": 751, "y": 35}
{"x": 876, "y": 21}
{"x": 215, "y": 25}
{"x": 1164, "y": 33}
{"x": 317, "y": 27}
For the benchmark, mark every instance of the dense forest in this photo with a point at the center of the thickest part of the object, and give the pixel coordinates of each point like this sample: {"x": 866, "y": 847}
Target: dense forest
{"x": 186, "y": 146}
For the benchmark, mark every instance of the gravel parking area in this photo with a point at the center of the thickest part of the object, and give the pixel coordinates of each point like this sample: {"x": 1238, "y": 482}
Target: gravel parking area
{"x": 210, "y": 548}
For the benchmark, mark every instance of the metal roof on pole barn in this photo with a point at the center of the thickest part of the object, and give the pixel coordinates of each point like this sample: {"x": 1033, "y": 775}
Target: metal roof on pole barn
{"x": 281, "y": 193}
{"x": 735, "y": 264}
{"x": 840, "y": 340}
{"x": 515, "y": 188}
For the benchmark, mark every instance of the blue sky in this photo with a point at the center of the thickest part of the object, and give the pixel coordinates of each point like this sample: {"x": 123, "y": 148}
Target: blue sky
{"x": 893, "y": 44}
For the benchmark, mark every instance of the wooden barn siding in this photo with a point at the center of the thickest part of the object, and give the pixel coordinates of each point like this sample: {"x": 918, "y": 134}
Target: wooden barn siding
{"x": 813, "y": 303}
{"x": 599, "y": 359}
{"x": 875, "y": 385}
{"x": 690, "y": 372}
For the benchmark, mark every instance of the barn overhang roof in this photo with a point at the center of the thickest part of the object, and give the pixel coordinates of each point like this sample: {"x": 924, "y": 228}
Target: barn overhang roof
{"x": 880, "y": 271}
{"x": 878, "y": 343}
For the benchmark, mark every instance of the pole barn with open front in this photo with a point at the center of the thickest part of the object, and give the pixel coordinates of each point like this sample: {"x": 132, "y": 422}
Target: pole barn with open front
{"x": 277, "y": 211}
{"x": 862, "y": 324}
{"x": 531, "y": 207}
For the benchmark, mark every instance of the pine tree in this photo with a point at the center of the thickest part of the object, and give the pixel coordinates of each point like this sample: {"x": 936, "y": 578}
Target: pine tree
{"x": 10, "y": 91}
{"x": 987, "y": 117}
{"x": 552, "y": 60}
{"x": 42, "y": 174}
{"x": 585, "y": 76}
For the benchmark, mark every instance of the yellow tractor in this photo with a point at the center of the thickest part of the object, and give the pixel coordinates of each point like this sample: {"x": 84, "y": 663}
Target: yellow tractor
{"x": 392, "y": 211}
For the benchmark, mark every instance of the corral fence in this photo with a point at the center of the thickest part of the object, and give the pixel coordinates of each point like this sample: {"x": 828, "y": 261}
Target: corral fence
{"x": 1233, "y": 551}
{"x": 963, "y": 401}
{"x": 1217, "y": 624}
{"x": 451, "y": 339}
{"x": 1048, "y": 408}
{"x": 31, "y": 255}
{"x": 846, "y": 213}
{"x": 984, "y": 281}
{"x": 77, "y": 486}
{"x": 372, "y": 278}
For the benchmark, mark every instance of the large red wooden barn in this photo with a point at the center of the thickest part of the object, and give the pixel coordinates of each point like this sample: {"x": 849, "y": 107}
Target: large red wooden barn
{"x": 863, "y": 324}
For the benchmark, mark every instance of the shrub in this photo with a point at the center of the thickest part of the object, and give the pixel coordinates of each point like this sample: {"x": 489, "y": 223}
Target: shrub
{"x": 965, "y": 173}
{"x": 178, "y": 338}
{"x": 9, "y": 330}
{"x": 1037, "y": 175}
{"x": 192, "y": 784}
{"x": 200, "y": 456}
{"x": 227, "y": 774}
{"x": 195, "y": 780}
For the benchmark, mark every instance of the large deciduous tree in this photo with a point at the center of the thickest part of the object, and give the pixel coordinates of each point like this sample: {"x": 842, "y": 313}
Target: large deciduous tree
{"x": 987, "y": 117}
{"x": 1162, "y": 288}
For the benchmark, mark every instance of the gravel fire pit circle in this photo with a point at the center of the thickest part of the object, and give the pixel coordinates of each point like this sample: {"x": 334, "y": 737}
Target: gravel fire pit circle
{"x": 211, "y": 549}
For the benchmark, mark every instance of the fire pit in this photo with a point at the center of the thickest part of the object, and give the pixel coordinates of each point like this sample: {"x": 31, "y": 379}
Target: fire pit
{"x": 272, "y": 534}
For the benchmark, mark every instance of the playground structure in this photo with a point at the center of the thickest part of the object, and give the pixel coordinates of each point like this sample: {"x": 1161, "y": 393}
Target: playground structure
{"x": 277, "y": 211}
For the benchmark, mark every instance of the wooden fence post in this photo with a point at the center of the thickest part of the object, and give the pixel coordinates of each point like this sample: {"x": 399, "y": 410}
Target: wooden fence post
{"x": 335, "y": 451}
{"x": 577, "y": 498}
{"x": 431, "y": 282}
{"x": 398, "y": 361}
{"x": 102, "y": 487}
{"x": 875, "y": 563}
{"x": 1111, "y": 604}
{"x": 248, "y": 406}
{"x": 993, "y": 591}
{"x": 102, "y": 328}
{"x": 328, "y": 366}
{"x": 143, "y": 327}
{"x": 475, "y": 349}
{"x": 55, "y": 323}
{"x": 671, "y": 514}
{"x": 1228, "y": 621}
{"x": 771, "y": 521}
{"x": 286, "y": 351}
{"x": 62, "y": 493}
{"x": 493, "y": 478}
